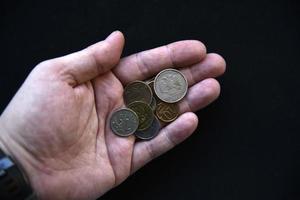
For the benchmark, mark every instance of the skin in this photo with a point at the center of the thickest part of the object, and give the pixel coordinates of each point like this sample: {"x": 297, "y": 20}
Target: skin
{"x": 57, "y": 125}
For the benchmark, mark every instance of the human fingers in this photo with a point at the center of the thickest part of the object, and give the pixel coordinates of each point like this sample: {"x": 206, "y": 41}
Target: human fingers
{"x": 84, "y": 65}
{"x": 168, "y": 137}
{"x": 213, "y": 65}
{"x": 200, "y": 95}
{"x": 147, "y": 63}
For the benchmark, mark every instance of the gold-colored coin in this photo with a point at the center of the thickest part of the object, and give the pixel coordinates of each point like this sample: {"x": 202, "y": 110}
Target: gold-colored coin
{"x": 167, "y": 112}
{"x": 137, "y": 91}
{"x": 144, "y": 113}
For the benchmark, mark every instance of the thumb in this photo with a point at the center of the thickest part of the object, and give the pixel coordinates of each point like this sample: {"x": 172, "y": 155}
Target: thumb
{"x": 96, "y": 59}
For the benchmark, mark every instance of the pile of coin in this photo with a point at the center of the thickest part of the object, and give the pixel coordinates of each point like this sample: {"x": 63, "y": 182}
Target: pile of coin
{"x": 149, "y": 104}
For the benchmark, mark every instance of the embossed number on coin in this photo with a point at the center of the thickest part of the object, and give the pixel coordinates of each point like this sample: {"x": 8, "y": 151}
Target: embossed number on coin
{"x": 124, "y": 122}
{"x": 170, "y": 85}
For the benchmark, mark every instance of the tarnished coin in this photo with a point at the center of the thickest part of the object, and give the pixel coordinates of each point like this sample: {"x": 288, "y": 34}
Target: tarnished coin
{"x": 155, "y": 99}
{"x": 153, "y": 104}
{"x": 170, "y": 85}
{"x": 124, "y": 122}
{"x": 150, "y": 132}
{"x": 167, "y": 112}
{"x": 144, "y": 113}
{"x": 151, "y": 85}
{"x": 137, "y": 91}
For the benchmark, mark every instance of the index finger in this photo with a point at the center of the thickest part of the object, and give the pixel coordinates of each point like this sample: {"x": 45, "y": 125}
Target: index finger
{"x": 145, "y": 64}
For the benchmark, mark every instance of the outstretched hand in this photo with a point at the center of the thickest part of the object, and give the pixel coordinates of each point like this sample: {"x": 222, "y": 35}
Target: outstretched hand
{"x": 57, "y": 125}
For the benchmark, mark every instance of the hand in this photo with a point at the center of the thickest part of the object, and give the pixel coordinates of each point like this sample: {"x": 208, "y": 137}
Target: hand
{"x": 57, "y": 125}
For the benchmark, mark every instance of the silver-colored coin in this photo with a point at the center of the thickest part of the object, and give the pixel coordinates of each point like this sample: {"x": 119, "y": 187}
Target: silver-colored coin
{"x": 150, "y": 132}
{"x": 170, "y": 85}
{"x": 124, "y": 122}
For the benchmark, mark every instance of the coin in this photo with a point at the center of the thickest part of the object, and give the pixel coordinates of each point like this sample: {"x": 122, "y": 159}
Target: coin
{"x": 150, "y": 132}
{"x": 137, "y": 91}
{"x": 167, "y": 112}
{"x": 144, "y": 113}
{"x": 151, "y": 85}
{"x": 153, "y": 104}
{"x": 124, "y": 122}
{"x": 170, "y": 85}
{"x": 155, "y": 99}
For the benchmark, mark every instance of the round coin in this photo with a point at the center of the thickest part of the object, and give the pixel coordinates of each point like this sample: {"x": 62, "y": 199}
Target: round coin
{"x": 170, "y": 85}
{"x": 167, "y": 112}
{"x": 137, "y": 91}
{"x": 153, "y": 104}
{"x": 124, "y": 122}
{"x": 144, "y": 113}
{"x": 150, "y": 132}
{"x": 151, "y": 85}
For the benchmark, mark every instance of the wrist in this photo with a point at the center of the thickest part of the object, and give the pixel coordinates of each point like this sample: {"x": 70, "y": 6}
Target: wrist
{"x": 21, "y": 169}
{"x": 9, "y": 147}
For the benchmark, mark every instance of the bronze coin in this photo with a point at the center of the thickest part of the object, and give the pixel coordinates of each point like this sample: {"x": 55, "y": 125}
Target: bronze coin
{"x": 167, "y": 112}
{"x": 137, "y": 91}
{"x": 144, "y": 113}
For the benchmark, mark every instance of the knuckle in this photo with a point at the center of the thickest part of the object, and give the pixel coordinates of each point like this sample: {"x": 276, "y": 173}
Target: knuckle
{"x": 141, "y": 64}
{"x": 149, "y": 149}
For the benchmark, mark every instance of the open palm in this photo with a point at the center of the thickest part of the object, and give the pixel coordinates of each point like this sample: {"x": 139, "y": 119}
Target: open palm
{"x": 57, "y": 125}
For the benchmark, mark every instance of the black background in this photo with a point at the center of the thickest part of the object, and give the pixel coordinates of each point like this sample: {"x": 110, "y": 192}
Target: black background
{"x": 247, "y": 144}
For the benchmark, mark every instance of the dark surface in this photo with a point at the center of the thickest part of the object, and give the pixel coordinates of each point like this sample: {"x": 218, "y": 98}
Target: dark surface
{"x": 247, "y": 145}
